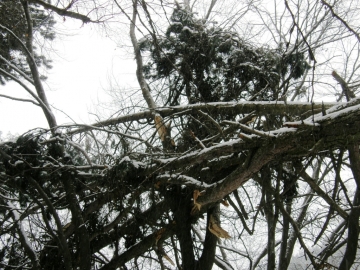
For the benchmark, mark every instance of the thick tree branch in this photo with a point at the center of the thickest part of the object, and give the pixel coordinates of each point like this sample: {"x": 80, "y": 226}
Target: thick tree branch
{"x": 139, "y": 62}
{"x": 346, "y": 90}
{"x": 63, "y": 11}
{"x": 243, "y": 107}
{"x": 34, "y": 70}
{"x": 353, "y": 221}
{"x": 333, "y": 131}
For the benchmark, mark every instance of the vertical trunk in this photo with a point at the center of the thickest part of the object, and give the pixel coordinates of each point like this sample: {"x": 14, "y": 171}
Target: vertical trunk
{"x": 270, "y": 216}
{"x": 353, "y": 220}
{"x": 271, "y": 221}
{"x": 82, "y": 236}
{"x": 162, "y": 129}
{"x": 284, "y": 238}
{"x": 207, "y": 258}
{"x": 353, "y": 234}
{"x": 181, "y": 206}
{"x": 139, "y": 62}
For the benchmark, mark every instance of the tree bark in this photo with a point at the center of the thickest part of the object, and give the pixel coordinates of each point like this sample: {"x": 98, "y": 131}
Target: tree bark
{"x": 207, "y": 258}
{"x": 182, "y": 209}
{"x": 271, "y": 216}
{"x": 353, "y": 220}
{"x": 81, "y": 233}
{"x": 34, "y": 70}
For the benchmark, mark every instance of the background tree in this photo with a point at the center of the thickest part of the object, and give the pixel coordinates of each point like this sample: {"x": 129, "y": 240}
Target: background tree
{"x": 14, "y": 26}
{"x": 246, "y": 179}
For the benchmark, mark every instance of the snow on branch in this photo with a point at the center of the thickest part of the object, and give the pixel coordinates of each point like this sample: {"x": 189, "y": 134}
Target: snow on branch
{"x": 182, "y": 179}
{"x": 25, "y": 242}
{"x": 244, "y": 107}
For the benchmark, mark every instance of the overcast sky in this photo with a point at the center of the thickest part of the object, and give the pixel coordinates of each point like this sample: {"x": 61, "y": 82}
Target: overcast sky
{"x": 84, "y": 60}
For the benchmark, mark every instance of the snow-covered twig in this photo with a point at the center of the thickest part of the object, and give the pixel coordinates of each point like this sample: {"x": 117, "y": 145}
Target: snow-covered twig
{"x": 24, "y": 240}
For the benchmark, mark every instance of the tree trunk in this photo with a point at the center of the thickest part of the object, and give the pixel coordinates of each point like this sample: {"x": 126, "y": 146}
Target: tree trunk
{"x": 353, "y": 220}
{"x": 207, "y": 258}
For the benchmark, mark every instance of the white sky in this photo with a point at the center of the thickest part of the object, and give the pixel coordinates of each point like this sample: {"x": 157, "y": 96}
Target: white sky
{"x": 83, "y": 62}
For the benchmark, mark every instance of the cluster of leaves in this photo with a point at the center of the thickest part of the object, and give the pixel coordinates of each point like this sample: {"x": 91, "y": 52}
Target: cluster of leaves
{"x": 208, "y": 64}
{"x": 12, "y": 17}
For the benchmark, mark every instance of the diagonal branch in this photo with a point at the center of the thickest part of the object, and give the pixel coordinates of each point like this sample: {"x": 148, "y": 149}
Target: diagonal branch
{"x": 139, "y": 62}
{"x": 23, "y": 237}
{"x": 320, "y": 192}
{"x": 34, "y": 70}
{"x": 63, "y": 12}
{"x": 346, "y": 90}
{"x": 242, "y": 107}
{"x": 20, "y": 99}
{"x": 138, "y": 249}
{"x": 341, "y": 19}
{"x": 267, "y": 150}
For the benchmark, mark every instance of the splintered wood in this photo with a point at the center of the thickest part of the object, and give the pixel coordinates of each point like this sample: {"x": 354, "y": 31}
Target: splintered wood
{"x": 197, "y": 206}
{"x": 216, "y": 230}
{"x": 160, "y": 127}
{"x": 160, "y": 248}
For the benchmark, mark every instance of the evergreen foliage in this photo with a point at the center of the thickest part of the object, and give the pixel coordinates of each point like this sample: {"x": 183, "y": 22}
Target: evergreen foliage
{"x": 206, "y": 63}
{"x": 13, "y": 18}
